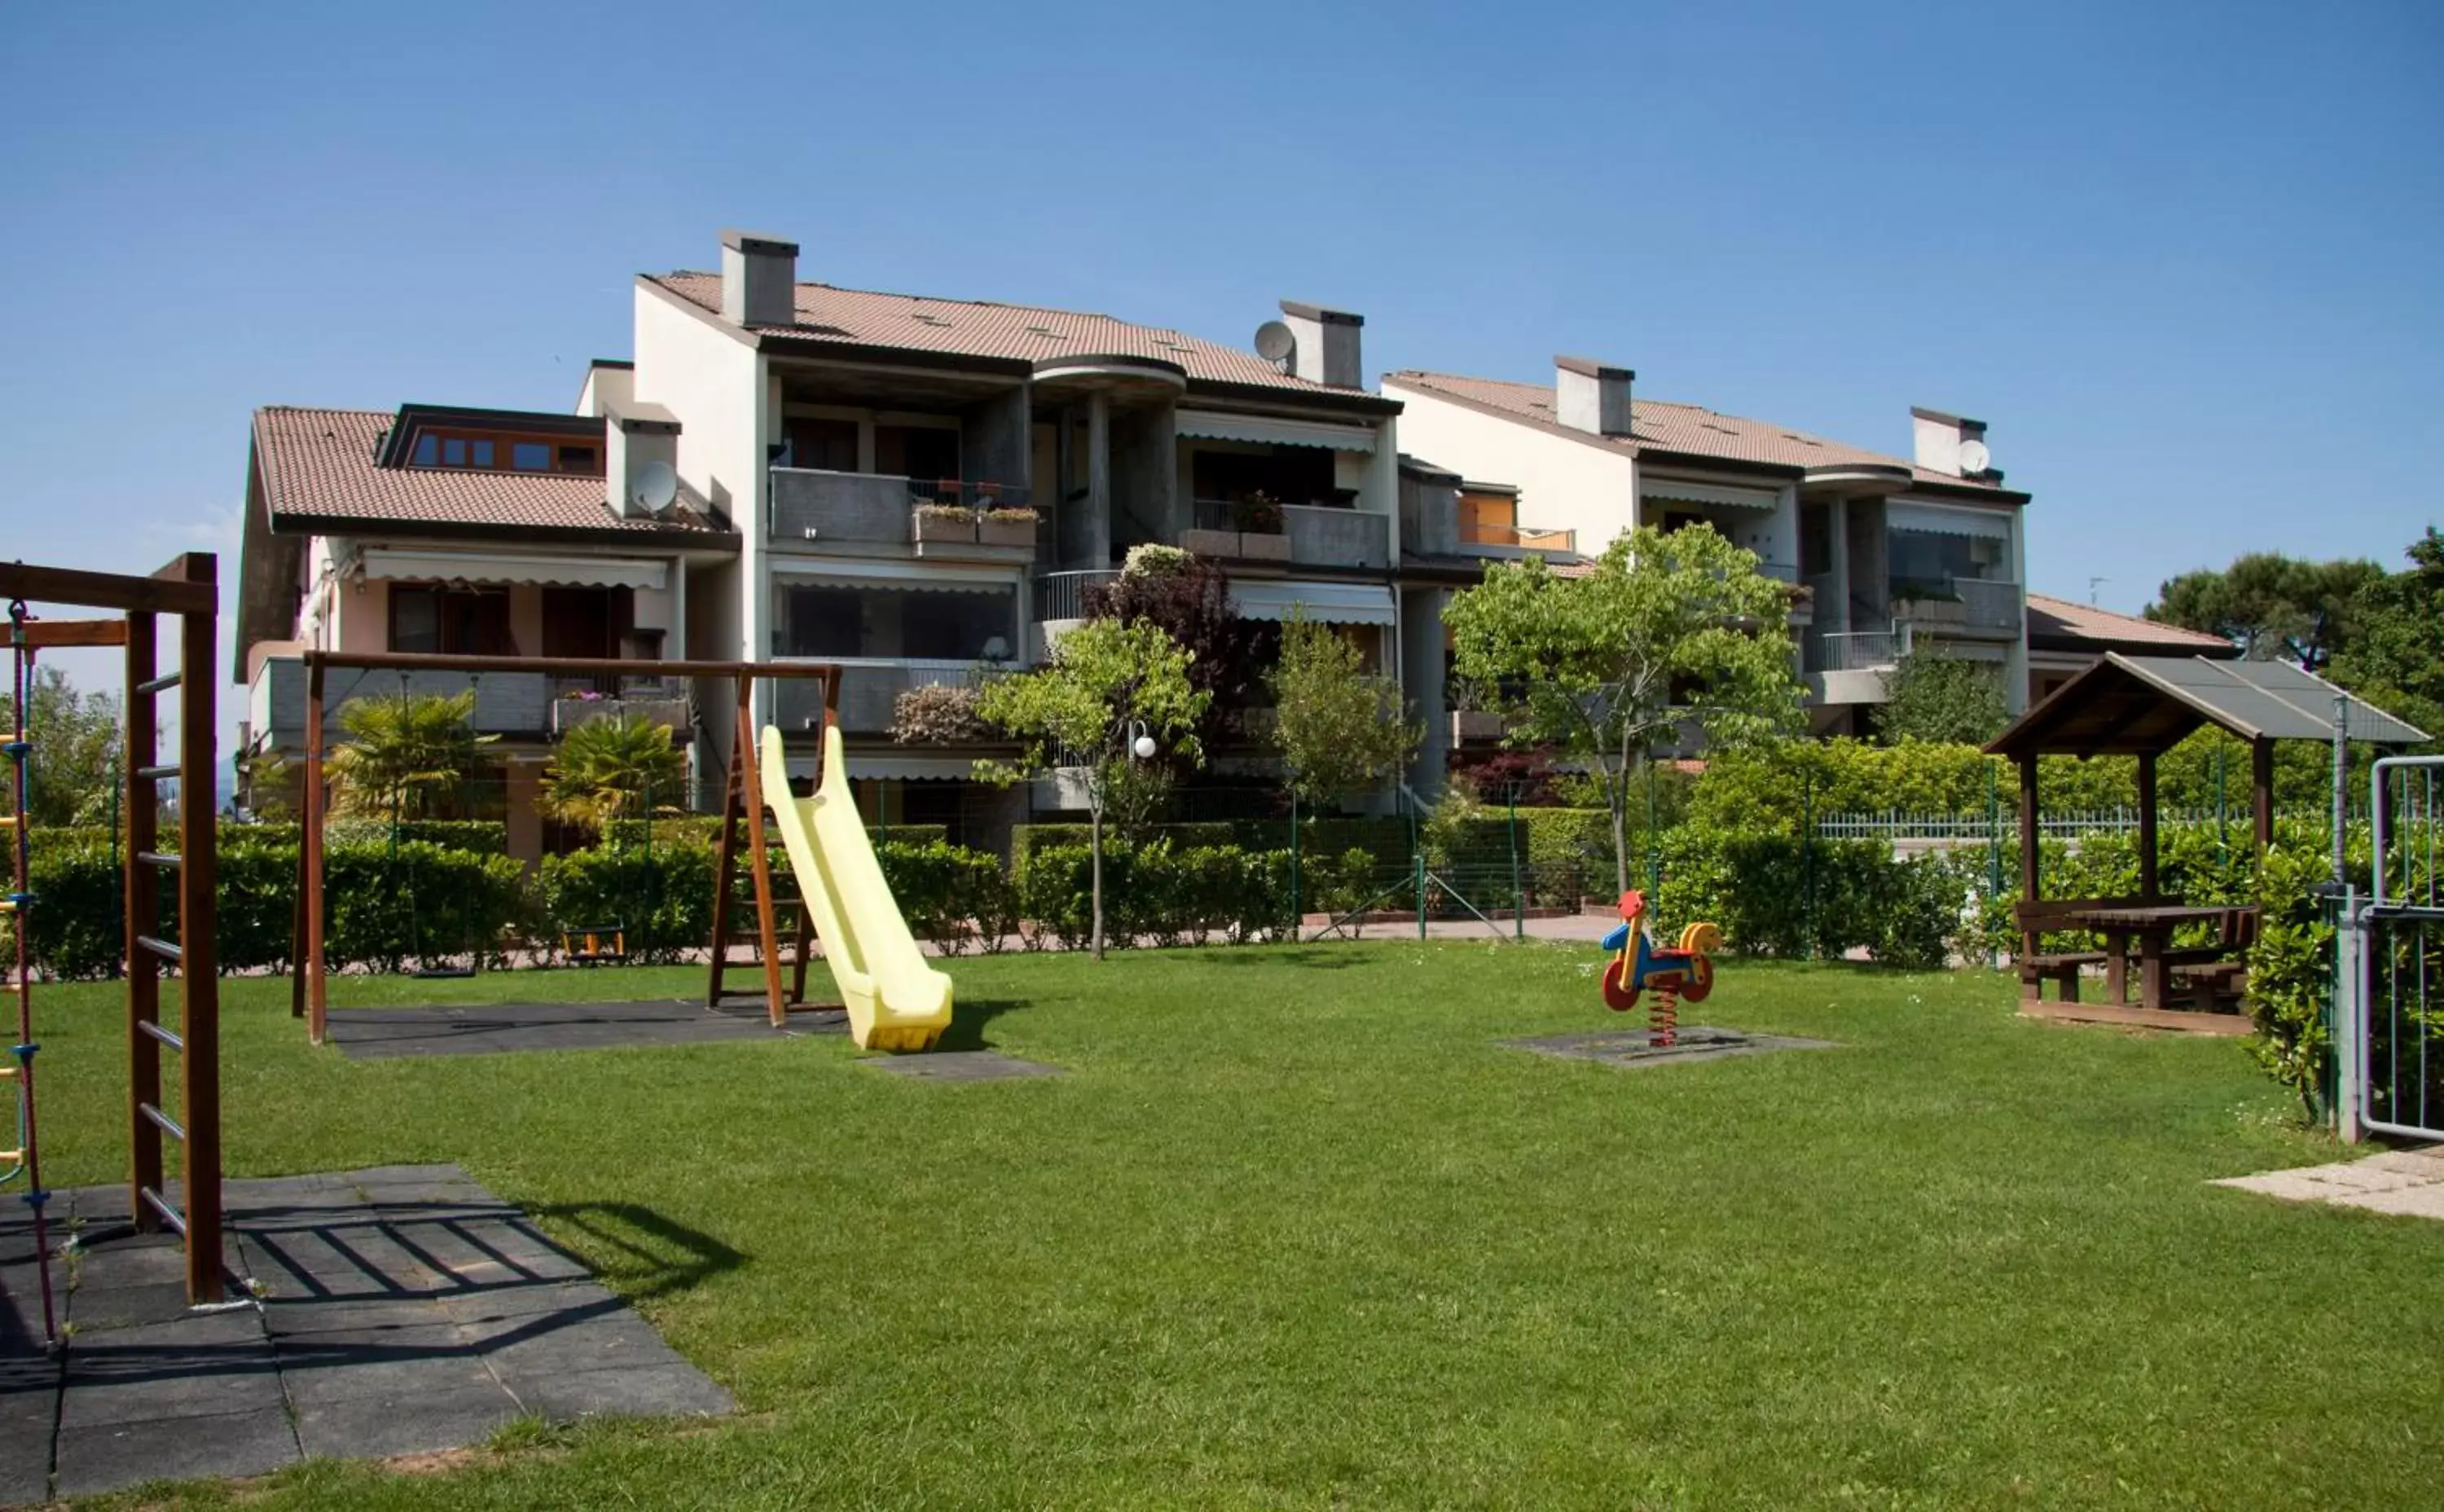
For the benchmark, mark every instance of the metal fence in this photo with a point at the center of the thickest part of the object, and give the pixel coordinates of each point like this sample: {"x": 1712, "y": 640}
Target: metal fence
{"x": 2388, "y": 963}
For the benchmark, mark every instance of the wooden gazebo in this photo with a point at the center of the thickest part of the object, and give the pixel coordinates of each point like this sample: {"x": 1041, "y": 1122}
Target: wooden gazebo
{"x": 2142, "y": 707}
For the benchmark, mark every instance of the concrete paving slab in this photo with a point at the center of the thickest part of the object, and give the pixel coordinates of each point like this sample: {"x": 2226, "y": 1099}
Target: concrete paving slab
{"x": 410, "y": 1422}
{"x": 2406, "y": 1182}
{"x": 1639, "y": 1047}
{"x": 113, "y": 1456}
{"x": 400, "y": 1301}
{"x": 654, "y": 1392}
{"x": 961, "y": 1065}
{"x": 364, "y": 1034}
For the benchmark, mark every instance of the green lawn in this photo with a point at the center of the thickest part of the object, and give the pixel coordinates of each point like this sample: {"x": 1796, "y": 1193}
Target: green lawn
{"x": 1295, "y": 1232}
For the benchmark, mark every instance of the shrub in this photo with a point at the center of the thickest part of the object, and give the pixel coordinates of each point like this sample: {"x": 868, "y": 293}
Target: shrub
{"x": 662, "y": 898}
{"x": 938, "y": 714}
{"x": 947, "y": 893}
{"x": 385, "y": 905}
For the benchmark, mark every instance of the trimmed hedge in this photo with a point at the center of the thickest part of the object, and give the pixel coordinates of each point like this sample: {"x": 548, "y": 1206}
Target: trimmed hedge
{"x": 662, "y": 898}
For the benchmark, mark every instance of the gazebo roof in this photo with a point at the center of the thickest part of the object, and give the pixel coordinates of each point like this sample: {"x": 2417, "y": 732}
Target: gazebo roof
{"x": 2128, "y": 706}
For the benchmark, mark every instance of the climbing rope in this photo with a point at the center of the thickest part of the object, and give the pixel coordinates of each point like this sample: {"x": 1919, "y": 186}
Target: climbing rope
{"x": 25, "y": 1159}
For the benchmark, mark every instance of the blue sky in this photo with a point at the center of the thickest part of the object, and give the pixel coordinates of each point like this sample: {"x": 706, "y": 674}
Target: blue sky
{"x": 2182, "y": 258}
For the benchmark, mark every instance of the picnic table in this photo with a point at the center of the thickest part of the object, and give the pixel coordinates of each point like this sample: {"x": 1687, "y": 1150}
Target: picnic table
{"x": 2150, "y": 927}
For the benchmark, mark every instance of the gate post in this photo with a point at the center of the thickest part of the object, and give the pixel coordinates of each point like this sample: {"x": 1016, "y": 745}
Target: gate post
{"x": 2349, "y": 1018}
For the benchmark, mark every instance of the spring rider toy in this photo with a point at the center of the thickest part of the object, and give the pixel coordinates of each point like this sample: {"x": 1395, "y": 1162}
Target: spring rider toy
{"x": 1638, "y": 965}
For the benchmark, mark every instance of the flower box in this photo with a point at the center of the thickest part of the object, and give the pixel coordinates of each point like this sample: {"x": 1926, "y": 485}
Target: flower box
{"x": 1006, "y": 527}
{"x": 940, "y": 525}
{"x": 1210, "y": 543}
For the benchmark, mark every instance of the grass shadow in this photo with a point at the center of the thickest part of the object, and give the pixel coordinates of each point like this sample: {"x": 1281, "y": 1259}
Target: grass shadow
{"x": 968, "y": 1021}
{"x": 1304, "y": 958}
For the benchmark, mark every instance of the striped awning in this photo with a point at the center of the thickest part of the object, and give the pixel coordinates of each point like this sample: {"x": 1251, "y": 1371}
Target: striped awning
{"x": 399, "y": 563}
{"x": 1215, "y": 426}
{"x": 1931, "y": 519}
{"x": 1341, "y": 604}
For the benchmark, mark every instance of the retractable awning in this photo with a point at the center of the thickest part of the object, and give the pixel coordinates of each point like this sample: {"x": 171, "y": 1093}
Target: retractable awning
{"x": 1215, "y": 426}
{"x": 1927, "y": 519}
{"x": 932, "y": 578}
{"x": 1340, "y": 604}
{"x": 412, "y": 565}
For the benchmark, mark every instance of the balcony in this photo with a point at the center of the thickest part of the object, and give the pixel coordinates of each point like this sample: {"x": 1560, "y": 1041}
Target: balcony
{"x": 1517, "y": 538}
{"x": 863, "y": 514}
{"x": 1061, "y": 596}
{"x": 1980, "y": 608}
{"x": 870, "y": 689}
{"x": 579, "y": 702}
{"x": 515, "y": 705}
{"x": 1297, "y": 534}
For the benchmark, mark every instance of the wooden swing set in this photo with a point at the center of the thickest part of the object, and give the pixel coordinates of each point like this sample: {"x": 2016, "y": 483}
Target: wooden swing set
{"x": 742, "y": 808}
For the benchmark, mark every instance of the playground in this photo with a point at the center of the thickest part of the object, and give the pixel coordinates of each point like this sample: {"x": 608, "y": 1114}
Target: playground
{"x": 1384, "y": 1221}
{"x": 1293, "y": 1224}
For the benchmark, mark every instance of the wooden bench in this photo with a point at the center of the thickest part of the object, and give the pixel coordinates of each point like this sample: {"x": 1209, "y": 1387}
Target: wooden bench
{"x": 2215, "y": 978}
{"x": 2062, "y": 968}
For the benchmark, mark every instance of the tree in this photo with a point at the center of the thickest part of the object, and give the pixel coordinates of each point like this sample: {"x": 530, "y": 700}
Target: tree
{"x": 2268, "y": 604}
{"x": 1933, "y": 695}
{"x": 1190, "y": 599}
{"x": 1665, "y": 629}
{"x": 2397, "y": 660}
{"x": 73, "y": 766}
{"x": 1339, "y": 727}
{"x": 404, "y": 754}
{"x": 609, "y": 769}
{"x": 1108, "y": 681}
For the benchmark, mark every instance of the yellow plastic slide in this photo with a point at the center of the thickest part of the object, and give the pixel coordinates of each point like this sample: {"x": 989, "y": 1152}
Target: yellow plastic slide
{"x": 897, "y": 1001}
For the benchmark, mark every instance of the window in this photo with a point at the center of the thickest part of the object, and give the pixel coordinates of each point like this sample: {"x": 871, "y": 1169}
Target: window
{"x": 1923, "y": 562}
{"x": 925, "y": 452}
{"x": 827, "y": 446}
{"x": 821, "y": 620}
{"x": 451, "y": 621}
{"x": 519, "y": 453}
{"x": 1286, "y": 474}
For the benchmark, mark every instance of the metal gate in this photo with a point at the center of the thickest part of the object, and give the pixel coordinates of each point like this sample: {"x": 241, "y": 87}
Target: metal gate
{"x": 2389, "y": 961}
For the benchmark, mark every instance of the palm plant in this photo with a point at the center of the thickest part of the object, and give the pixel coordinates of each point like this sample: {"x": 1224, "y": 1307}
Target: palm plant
{"x": 607, "y": 770}
{"x": 403, "y": 754}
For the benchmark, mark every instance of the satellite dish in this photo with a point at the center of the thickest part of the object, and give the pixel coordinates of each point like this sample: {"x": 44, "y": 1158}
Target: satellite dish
{"x": 1974, "y": 458}
{"x": 654, "y": 487}
{"x": 1275, "y": 342}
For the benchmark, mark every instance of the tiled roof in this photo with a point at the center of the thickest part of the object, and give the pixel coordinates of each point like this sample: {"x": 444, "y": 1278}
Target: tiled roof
{"x": 852, "y": 316}
{"x": 1688, "y": 429}
{"x": 2059, "y": 619}
{"x": 319, "y": 464}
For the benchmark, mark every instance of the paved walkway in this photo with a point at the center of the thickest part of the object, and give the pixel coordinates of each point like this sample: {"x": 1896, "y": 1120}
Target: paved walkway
{"x": 404, "y": 1310}
{"x": 2398, "y": 1181}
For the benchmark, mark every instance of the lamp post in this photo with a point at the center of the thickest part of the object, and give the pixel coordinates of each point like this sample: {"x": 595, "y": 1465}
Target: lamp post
{"x": 1139, "y": 742}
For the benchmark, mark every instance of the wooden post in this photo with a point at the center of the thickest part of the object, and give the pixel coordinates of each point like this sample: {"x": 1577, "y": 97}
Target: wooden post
{"x": 2027, "y": 846}
{"x": 2261, "y": 782}
{"x": 309, "y": 859}
{"x": 199, "y": 978}
{"x": 768, "y": 938}
{"x": 141, "y": 890}
{"x": 2147, "y": 824}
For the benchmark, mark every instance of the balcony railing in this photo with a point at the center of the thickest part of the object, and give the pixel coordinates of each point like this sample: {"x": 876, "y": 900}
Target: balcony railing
{"x": 1970, "y": 603}
{"x": 1063, "y": 594}
{"x": 1524, "y": 538}
{"x": 812, "y": 509}
{"x": 870, "y": 689}
{"x": 508, "y": 704}
{"x": 1856, "y": 650}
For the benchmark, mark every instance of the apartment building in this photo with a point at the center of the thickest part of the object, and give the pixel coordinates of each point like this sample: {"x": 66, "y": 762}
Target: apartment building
{"x": 919, "y": 489}
{"x": 1884, "y": 553}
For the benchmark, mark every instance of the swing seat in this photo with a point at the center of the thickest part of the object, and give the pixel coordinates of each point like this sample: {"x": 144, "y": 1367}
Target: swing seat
{"x": 594, "y": 945}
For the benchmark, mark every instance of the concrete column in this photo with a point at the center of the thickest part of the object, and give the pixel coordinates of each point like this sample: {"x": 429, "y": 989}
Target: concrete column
{"x": 1835, "y": 616}
{"x": 996, "y": 439}
{"x": 1421, "y": 682}
{"x": 1095, "y": 522}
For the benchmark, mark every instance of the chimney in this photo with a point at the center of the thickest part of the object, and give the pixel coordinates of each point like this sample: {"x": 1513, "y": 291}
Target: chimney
{"x": 1947, "y": 443}
{"x": 1327, "y": 344}
{"x": 1592, "y": 396}
{"x": 759, "y": 279}
{"x": 635, "y": 433}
